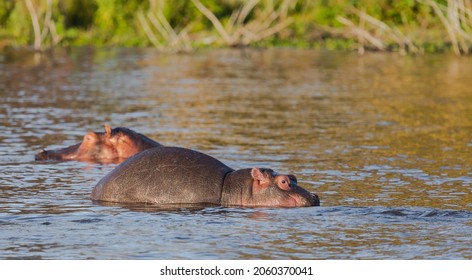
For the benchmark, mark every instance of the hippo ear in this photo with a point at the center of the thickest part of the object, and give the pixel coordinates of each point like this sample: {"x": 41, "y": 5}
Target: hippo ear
{"x": 260, "y": 180}
{"x": 107, "y": 131}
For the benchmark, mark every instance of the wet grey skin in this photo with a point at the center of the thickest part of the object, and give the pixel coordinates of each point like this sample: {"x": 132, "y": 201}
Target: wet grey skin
{"x": 171, "y": 175}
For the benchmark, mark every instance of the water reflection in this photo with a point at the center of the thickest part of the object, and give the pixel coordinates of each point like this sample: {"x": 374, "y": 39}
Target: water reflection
{"x": 384, "y": 140}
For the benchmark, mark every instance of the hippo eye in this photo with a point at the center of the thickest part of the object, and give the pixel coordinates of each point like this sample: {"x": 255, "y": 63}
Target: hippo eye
{"x": 284, "y": 184}
{"x": 124, "y": 140}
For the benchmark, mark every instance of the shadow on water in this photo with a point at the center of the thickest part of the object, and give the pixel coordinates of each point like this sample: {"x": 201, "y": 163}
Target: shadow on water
{"x": 384, "y": 140}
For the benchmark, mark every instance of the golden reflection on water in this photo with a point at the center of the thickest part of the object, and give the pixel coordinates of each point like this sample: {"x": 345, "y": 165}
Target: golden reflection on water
{"x": 375, "y": 136}
{"x": 373, "y": 130}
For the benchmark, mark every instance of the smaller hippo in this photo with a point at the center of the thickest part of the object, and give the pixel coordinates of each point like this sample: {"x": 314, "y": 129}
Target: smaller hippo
{"x": 171, "y": 175}
{"x": 112, "y": 146}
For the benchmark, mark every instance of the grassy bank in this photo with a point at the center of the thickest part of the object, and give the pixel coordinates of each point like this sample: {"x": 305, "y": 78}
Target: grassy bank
{"x": 406, "y": 26}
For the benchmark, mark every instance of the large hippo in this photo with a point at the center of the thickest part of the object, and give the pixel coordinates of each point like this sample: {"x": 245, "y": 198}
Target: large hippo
{"x": 113, "y": 145}
{"x": 171, "y": 175}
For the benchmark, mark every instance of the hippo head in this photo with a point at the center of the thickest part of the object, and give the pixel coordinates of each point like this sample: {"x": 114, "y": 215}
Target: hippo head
{"x": 272, "y": 189}
{"x": 262, "y": 187}
{"x": 113, "y": 145}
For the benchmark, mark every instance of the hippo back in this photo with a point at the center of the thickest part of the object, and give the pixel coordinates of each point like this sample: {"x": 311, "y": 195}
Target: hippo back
{"x": 164, "y": 175}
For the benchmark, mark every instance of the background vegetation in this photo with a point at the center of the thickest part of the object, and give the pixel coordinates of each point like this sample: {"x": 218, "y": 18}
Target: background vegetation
{"x": 407, "y": 26}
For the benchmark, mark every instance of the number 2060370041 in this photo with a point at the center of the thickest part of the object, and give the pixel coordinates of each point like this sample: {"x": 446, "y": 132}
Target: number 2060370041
{"x": 282, "y": 270}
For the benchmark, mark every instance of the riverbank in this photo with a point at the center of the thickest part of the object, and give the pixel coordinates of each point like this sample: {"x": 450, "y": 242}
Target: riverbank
{"x": 405, "y": 26}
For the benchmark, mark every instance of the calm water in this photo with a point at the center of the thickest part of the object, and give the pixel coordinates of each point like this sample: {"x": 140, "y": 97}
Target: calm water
{"x": 385, "y": 140}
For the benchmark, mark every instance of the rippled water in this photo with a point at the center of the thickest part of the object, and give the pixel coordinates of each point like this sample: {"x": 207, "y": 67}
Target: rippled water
{"x": 385, "y": 140}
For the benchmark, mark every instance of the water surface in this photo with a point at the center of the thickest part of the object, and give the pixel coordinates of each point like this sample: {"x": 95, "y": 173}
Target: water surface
{"x": 385, "y": 140}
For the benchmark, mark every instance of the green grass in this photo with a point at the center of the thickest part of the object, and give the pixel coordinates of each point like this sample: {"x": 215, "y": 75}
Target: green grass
{"x": 313, "y": 23}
